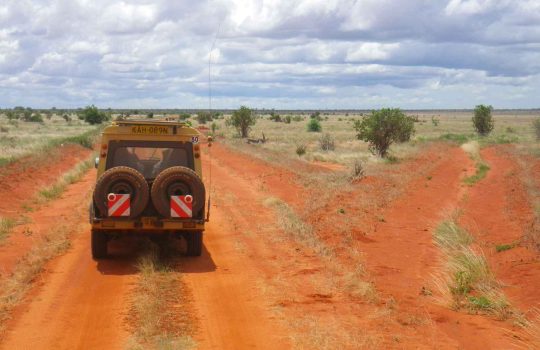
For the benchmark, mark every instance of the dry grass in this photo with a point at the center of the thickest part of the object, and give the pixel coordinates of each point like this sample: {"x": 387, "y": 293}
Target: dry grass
{"x": 15, "y": 286}
{"x": 473, "y": 149}
{"x": 283, "y": 138}
{"x": 158, "y": 321}
{"x": 527, "y": 160}
{"x": 296, "y": 228}
{"x": 314, "y": 333}
{"x": 25, "y": 138}
{"x": 468, "y": 282}
{"x": 74, "y": 175}
{"x": 6, "y": 225}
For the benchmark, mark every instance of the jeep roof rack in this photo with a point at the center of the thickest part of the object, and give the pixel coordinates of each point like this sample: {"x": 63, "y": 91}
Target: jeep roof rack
{"x": 149, "y": 122}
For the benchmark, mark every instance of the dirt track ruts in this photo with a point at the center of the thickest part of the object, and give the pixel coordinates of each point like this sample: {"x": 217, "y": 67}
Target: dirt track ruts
{"x": 82, "y": 304}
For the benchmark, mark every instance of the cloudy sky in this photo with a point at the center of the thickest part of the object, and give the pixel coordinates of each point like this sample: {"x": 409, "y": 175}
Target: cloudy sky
{"x": 271, "y": 54}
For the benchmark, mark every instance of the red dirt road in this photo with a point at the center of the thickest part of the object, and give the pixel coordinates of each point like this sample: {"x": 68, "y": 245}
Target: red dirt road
{"x": 256, "y": 287}
{"x": 498, "y": 213}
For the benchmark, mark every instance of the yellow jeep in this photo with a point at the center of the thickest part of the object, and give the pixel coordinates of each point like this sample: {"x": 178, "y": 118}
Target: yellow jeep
{"x": 149, "y": 181}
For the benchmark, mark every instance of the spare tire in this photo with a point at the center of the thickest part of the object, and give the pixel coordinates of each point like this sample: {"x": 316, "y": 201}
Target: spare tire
{"x": 124, "y": 180}
{"x": 177, "y": 181}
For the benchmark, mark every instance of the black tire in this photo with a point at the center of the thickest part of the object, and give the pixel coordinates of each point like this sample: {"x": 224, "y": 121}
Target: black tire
{"x": 194, "y": 243}
{"x": 99, "y": 244}
{"x": 177, "y": 181}
{"x": 125, "y": 180}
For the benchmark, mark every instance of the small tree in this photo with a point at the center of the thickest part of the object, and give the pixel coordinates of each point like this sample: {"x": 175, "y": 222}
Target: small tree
{"x": 314, "y": 125}
{"x": 482, "y": 120}
{"x": 92, "y": 115}
{"x": 384, "y": 127}
{"x": 242, "y": 119}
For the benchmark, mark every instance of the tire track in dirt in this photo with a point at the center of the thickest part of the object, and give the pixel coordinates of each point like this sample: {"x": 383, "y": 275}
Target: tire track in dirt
{"x": 64, "y": 211}
{"x": 76, "y": 303}
{"x": 403, "y": 260}
{"x": 497, "y": 212}
{"x": 231, "y": 311}
{"x": 80, "y": 304}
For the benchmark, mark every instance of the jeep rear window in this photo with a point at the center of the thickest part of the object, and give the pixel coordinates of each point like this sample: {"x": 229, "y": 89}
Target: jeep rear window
{"x": 149, "y": 158}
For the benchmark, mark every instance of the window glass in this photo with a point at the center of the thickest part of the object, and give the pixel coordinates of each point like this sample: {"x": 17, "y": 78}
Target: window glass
{"x": 149, "y": 161}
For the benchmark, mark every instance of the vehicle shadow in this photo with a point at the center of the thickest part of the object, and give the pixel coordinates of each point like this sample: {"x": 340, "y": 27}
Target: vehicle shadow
{"x": 125, "y": 253}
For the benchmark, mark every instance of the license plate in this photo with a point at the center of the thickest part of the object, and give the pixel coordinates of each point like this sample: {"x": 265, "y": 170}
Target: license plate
{"x": 148, "y": 221}
{"x": 150, "y": 130}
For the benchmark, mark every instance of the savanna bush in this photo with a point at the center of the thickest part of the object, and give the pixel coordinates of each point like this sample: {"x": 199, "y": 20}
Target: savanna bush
{"x": 92, "y": 115}
{"x": 314, "y": 125}
{"x": 301, "y": 149}
{"x": 242, "y": 119}
{"x": 482, "y": 120}
{"x": 326, "y": 142}
{"x": 384, "y": 127}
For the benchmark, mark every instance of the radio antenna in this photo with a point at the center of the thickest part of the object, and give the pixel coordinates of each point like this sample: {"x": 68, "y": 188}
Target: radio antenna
{"x": 210, "y": 68}
{"x": 210, "y": 113}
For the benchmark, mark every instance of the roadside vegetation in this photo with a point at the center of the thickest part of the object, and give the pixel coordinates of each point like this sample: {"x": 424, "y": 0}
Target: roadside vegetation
{"x": 472, "y": 148}
{"x": 20, "y": 138}
{"x": 157, "y": 321}
{"x": 290, "y": 142}
{"x": 482, "y": 120}
{"x": 468, "y": 283}
{"x": 383, "y": 128}
{"x": 6, "y": 225}
{"x": 74, "y": 175}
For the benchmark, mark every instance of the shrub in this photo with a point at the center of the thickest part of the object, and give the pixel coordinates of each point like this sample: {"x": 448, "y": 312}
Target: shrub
{"x": 482, "y": 120}
{"x": 34, "y": 118}
{"x": 435, "y": 121}
{"x": 301, "y": 149}
{"x": 297, "y": 118}
{"x": 66, "y": 117}
{"x": 150, "y": 115}
{"x": 203, "y": 117}
{"x": 316, "y": 115}
{"x": 184, "y": 116}
{"x": 92, "y": 115}
{"x": 11, "y": 115}
{"x": 314, "y": 125}
{"x": 275, "y": 117}
{"x": 536, "y": 125}
{"x": 384, "y": 127}
{"x": 214, "y": 127}
{"x": 326, "y": 142}
{"x": 357, "y": 170}
{"x": 242, "y": 119}
{"x": 287, "y": 119}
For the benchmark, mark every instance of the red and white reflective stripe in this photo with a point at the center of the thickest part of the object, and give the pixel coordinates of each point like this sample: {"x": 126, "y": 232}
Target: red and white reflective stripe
{"x": 181, "y": 206}
{"x": 118, "y": 204}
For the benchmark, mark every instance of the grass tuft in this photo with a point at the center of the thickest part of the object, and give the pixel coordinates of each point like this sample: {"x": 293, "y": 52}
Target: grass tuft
{"x": 468, "y": 282}
{"x": 481, "y": 171}
{"x": 6, "y": 225}
{"x": 72, "y": 176}
{"x": 157, "y": 324}
{"x": 295, "y": 227}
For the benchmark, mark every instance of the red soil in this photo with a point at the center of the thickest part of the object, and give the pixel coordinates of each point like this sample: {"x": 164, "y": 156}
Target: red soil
{"x": 255, "y": 286}
{"x": 498, "y": 212}
{"x": 19, "y": 181}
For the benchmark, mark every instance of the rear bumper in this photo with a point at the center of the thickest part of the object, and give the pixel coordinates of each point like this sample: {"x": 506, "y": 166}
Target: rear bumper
{"x": 147, "y": 225}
